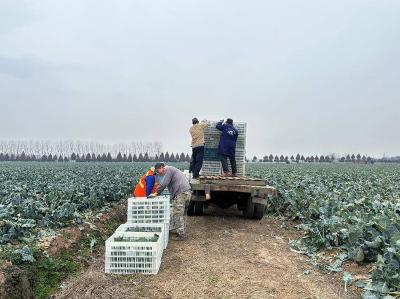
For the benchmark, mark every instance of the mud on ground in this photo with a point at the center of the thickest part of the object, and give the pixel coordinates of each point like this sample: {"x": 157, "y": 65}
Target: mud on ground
{"x": 225, "y": 256}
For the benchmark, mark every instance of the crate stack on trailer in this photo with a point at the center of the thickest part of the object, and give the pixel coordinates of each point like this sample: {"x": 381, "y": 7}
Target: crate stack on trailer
{"x": 137, "y": 246}
{"x": 212, "y": 160}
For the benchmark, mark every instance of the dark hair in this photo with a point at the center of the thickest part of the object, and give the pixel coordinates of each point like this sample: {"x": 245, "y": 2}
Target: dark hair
{"x": 195, "y": 121}
{"x": 159, "y": 165}
{"x": 229, "y": 121}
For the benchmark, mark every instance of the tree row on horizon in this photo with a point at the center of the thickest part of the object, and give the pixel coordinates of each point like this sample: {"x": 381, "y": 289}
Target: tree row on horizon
{"x": 314, "y": 158}
{"x": 167, "y": 157}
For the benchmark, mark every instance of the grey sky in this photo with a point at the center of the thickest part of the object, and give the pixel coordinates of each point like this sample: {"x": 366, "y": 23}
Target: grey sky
{"x": 314, "y": 77}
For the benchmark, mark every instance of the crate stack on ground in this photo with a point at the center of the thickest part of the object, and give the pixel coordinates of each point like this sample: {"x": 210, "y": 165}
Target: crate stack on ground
{"x": 137, "y": 246}
{"x": 212, "y": 160}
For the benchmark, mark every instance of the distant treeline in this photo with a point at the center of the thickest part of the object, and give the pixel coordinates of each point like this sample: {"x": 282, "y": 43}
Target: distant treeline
{"x": 313, "y": 159}
{"x": 389, "y": 160}
{"x": 91, "y": 157}
{"x": 37, "y": 149}
{"x": 167, "y": 157}
{"x": 86, "y": 151}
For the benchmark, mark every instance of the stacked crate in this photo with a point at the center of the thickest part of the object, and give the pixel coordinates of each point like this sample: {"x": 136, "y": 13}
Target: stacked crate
{"x": 137, "y": 246}
{"x": 132, "y": 252}
{"x": 212, "y": 160}
{"x": 156, "y": 210}
{"x": 157, "y": 228}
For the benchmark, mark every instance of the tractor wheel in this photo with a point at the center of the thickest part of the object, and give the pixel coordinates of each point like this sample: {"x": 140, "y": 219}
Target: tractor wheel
{"x": 248, "y": 211}
{"x": 259, "y": 210}
{"x": 190, "y": 209}
{"x": 198, "y": 208}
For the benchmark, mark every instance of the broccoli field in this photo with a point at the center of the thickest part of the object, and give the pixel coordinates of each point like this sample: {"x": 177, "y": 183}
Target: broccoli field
{"x": 352, "y": 207}
{"x": 51, "y": 195}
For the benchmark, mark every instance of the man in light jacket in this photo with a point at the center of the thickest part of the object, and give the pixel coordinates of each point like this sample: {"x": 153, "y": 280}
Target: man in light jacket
{"x": 197, "y": 132}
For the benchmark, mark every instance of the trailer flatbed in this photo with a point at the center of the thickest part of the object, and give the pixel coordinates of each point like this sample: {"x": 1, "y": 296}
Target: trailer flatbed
{"x": 250, "y": 194}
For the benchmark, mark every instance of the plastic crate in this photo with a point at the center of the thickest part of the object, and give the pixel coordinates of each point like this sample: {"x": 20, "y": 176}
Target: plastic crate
{"x": 132, "y": 255}
{"x": 149, "y": 210}
{"x": 158, "y": 228}
{"x": 211, "y": 164}
{"x": 187, "y": 174}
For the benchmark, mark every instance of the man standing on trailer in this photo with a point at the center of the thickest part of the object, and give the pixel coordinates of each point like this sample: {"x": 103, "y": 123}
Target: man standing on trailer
{"x": 227, "y": 145}
{"x": 179, "y": 187}
{"x": 197, "y": 133}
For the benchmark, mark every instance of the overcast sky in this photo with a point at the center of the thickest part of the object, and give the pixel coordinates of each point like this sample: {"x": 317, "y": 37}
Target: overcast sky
{"x": 314, "y": 77}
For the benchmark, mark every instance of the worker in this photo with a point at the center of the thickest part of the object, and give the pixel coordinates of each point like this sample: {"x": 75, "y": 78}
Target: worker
{"x": 147, "y": 185}
{"x": 227, "y": 145}
{"x": 197, "y": 133}
{"x": 179, "y": 188}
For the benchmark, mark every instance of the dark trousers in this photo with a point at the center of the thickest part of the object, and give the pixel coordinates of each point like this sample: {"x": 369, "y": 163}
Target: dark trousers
{"x": 224, "y": 162}
{"x": 197, "y": 160}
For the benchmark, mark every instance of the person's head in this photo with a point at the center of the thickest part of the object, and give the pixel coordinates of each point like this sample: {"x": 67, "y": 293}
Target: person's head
{"x": 152, "y": 170}
{"x": 160, "y": 168}
{"x": 195, "y": 121}
{"x": 229, "y": 121}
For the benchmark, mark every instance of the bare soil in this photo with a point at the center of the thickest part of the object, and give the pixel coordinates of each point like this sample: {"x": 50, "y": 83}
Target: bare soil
{"x": 225, "y": 256}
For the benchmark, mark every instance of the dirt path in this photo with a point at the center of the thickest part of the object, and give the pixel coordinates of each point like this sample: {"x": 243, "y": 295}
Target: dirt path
{"x": 224, "y": 257}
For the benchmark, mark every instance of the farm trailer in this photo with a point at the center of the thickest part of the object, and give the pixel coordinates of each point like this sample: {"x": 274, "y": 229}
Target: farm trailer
{"x": 251, "y": 195}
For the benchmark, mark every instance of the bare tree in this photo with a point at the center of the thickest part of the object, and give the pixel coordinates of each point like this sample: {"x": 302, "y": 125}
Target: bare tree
{"x": 65, "y": 148}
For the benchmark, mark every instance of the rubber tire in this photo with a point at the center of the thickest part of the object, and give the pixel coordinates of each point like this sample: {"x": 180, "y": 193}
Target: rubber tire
{"x": 248, "y": 211}
{"x": 259, "y": 210}
{"x": 190, "y": 209}
{"x": 198, "y": 208}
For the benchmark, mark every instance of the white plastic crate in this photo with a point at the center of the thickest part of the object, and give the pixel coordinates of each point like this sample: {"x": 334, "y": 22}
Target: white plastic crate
{"x": 149, "y": 210}
{"x": 214, "y": 168}
{"x": 211, "y": 138}
{"x": 187, "y": 174}
{"x": 126, "y": 253}
{"x": 158, "y": 228}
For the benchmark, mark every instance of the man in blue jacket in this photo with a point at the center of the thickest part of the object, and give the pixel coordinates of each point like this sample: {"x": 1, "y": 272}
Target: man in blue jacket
{"x": 227, "y": 145}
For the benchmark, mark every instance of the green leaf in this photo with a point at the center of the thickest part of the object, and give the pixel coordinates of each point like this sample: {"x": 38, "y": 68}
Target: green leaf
{"x": 347, "y": 279}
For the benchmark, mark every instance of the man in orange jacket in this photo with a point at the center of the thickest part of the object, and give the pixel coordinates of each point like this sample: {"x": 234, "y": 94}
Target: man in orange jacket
{"x": 147, "y": 185}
